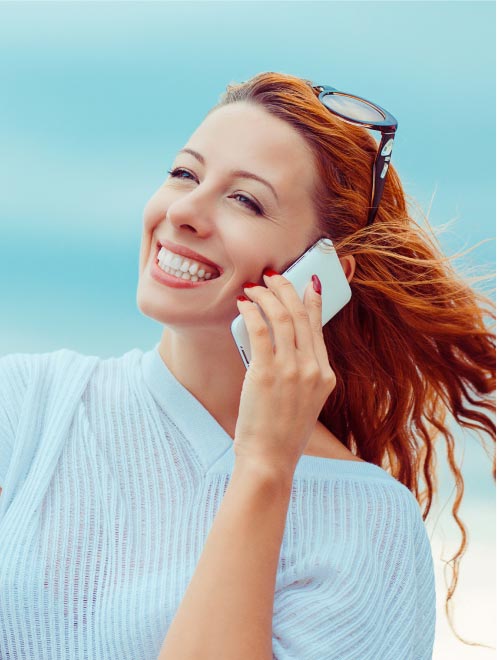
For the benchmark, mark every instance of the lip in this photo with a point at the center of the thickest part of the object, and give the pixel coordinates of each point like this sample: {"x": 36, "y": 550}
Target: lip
{"x": 186, "y": 252}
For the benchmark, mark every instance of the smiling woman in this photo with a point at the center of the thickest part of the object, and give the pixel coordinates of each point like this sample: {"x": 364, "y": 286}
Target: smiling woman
{"x": 173, "y": 504}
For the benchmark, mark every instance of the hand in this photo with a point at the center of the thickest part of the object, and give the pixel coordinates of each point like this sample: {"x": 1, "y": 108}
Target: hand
{"x": 284, "y": 389}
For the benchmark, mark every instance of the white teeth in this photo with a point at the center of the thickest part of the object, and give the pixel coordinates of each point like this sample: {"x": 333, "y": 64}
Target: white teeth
{"x": 182, "y": 264}
{"x": 180, "y": 274}
{"x": 182, "y": 268}
{"x": 176, "y": 262}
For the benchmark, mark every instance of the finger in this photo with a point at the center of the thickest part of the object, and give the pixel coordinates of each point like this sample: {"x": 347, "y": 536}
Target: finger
{"x": 286, "y": 293}
{"x": 261, "y": 347}
{"x": 281, "y": 322}
{"x": 314, "y": 305}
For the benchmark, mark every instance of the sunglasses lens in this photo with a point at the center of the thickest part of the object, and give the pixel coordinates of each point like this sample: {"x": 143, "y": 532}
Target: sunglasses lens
{"x": 350, "y": 107}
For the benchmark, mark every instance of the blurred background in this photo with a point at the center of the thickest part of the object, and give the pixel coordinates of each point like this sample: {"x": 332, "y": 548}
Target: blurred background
{"x": 97, "y": 97}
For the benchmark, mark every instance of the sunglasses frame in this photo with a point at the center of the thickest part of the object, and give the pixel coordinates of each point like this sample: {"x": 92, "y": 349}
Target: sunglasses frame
{"x": 387, "y": 127}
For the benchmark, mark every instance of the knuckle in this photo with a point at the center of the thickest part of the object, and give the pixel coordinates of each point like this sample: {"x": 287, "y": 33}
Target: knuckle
{"x": 329, "y": 378}
{"x": 283, "y": 316}
{"x": 316, "y": 302}
{"x": 290, "y": 373}
{"x": 302, "y": 314}
{"x": 311, "y": 373}
{"x": 262, "y": 376}
{"x": 261, "y": 330}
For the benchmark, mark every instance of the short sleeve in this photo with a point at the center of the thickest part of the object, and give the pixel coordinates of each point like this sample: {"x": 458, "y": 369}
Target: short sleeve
{"x": 425, "y": 616}
{"x": 14, "y": 376}
{"x": 374, "y": 600}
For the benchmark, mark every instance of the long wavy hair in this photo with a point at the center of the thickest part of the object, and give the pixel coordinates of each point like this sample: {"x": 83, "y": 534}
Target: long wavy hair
{"x": 411, "y": 346}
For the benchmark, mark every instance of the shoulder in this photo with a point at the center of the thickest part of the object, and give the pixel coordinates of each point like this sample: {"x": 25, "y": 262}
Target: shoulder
{"x": 45, "y": 380}
{"x": 32, "y": 384}
{"x": 28, "y": 365}
{"x": 324, "y": 444}
{"x": 65, "y": 365}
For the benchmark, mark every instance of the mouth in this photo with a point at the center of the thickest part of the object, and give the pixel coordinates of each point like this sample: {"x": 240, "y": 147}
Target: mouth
{"x": 183, "y": 264}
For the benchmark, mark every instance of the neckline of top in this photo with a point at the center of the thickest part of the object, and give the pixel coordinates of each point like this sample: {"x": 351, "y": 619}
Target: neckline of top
{"x": 212, "y": 444}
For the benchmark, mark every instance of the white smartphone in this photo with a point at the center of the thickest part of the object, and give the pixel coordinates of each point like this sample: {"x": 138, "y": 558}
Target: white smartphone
{"x": 320, "y": 259}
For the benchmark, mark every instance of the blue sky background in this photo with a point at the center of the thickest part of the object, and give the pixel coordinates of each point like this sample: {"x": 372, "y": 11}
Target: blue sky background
{"x": 97, "y": 98}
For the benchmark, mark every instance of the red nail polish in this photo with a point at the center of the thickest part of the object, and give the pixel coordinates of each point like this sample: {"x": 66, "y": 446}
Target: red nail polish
{"x": 269, "y": 272}
{"x": 316, "y": 283}
{"x": 247, "y": 285}
{"x": 241, "y": 298}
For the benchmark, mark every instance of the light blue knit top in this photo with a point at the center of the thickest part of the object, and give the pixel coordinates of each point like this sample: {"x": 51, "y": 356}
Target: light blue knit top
{"x": 112, "y": 474}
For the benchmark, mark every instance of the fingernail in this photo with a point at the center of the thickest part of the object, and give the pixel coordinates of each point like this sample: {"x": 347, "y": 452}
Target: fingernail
{"x": 247, "y": 285}
{"x": 269, "y": 272}
{"x": 316, "y": 283}
{"x": 241, "y": 298}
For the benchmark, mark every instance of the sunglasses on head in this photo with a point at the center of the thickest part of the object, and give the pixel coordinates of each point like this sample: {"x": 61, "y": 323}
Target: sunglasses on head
{"x": 356, "y": 110}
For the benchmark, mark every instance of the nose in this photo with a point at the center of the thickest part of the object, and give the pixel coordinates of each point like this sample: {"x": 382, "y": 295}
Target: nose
{"x": 193, "y": 212}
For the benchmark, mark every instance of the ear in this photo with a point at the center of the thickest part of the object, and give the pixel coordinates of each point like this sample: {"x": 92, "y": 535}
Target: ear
{"x": 348, "y": 265}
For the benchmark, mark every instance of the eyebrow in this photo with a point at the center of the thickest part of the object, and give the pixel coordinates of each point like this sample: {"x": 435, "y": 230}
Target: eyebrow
{"x": 243, "y": 174}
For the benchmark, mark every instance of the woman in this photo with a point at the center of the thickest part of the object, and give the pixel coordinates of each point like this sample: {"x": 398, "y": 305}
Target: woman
{"x": 173, "y": 504}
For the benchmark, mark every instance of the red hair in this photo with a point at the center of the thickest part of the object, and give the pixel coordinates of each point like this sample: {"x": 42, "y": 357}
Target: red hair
{"x": 411, "y": 346}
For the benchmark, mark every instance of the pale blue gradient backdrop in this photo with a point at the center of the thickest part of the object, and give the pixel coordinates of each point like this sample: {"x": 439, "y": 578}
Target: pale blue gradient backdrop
{"x": 97, "y": 97}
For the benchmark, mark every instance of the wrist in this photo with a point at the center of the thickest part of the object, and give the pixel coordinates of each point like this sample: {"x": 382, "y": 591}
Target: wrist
{"x": 264, "y": 472}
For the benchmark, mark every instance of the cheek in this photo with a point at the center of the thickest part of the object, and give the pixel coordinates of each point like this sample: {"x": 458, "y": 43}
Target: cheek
{"x": 244, "y": 245}
{"x": 253, "y": 258}
{"x": 153, "y": 215}
{"x": 153, "y": 212}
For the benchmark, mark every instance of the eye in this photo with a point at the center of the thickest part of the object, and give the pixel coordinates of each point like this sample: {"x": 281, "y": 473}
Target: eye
{"x": 248, "y": 202}
{"x": 178, "y": 172}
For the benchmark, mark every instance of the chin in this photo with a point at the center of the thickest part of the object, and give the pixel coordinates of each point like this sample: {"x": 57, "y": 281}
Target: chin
{"x": 165, "y": 312}
{"x": 150, "y": 305}
{"x": 163, "y": 315}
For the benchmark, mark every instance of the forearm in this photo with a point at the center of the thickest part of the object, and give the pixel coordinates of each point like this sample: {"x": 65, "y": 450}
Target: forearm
{"x": 227, "y": 609}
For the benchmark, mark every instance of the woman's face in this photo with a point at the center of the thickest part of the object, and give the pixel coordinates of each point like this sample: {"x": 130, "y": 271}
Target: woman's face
{"x": 212, "y": 206}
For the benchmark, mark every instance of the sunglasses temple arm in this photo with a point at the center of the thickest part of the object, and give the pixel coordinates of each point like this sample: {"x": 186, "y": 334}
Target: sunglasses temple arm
{"x": 380, "y": 169}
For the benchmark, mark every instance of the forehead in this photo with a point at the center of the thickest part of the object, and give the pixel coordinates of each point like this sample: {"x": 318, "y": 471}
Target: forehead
{"x": 245, "y": 136}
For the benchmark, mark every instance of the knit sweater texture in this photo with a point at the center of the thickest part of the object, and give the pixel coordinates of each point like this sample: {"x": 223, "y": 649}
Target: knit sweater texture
{"x": 112, "y": 474}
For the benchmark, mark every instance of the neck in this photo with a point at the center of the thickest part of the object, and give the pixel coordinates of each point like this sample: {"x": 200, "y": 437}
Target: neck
{"x": 207, "y": 363}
